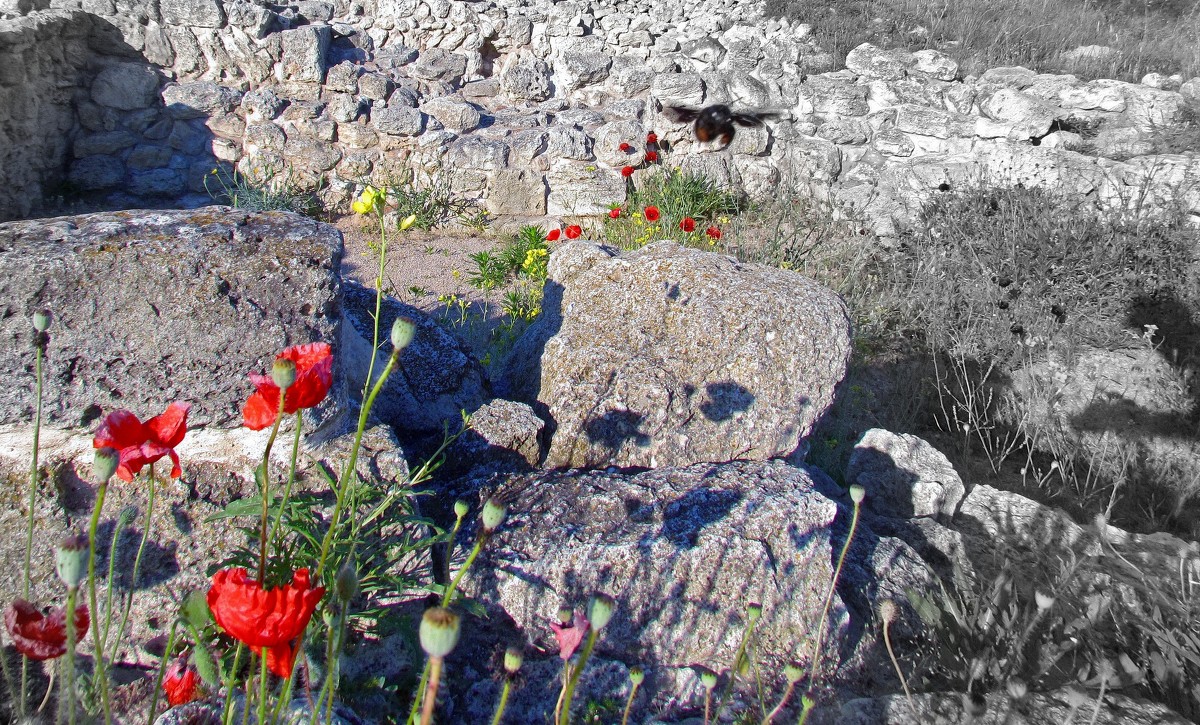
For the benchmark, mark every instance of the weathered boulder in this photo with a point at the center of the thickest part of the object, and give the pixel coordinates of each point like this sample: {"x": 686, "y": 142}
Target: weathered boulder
{"x": 903, "y": 476}
{"x": 615, "y": 358}
{"x": 125, "y": 86}
{"x": 524, "y": 77}
{"x": 435, "y": 380}
{"x": 683, "y": 551}
{"x": 151, "y": 307}
{"x": 199, "y": 99}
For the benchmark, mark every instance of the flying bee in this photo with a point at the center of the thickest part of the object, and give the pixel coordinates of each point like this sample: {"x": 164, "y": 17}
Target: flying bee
{"x": 717, "y": 121}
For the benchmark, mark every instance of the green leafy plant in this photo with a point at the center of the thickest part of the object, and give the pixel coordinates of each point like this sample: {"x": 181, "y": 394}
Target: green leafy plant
{"x": 430, "y": 202}
{"x": 265, "y": 189}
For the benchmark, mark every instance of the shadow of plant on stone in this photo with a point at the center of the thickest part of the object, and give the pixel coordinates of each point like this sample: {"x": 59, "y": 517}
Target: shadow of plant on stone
{"x": 724, "y": 400}
{"x": 616, "y": 428}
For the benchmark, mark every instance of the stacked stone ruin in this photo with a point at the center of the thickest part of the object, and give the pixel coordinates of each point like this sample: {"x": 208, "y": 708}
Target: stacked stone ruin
{"x": 523, "y": 105}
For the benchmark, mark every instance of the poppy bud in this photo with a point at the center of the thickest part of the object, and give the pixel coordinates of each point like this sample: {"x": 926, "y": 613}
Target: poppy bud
{"x": 460, "y": 509}
{"x": 439, "y": 632}
{"x": 41, "y": 320}
{"x": 195, "y": 610}
{"x": 69, "y": 559}
{"x": 513, "y": 659}
{"x": 708, "y": 678}
{"x": 408, "y": 221}
{"x": 283, "y": 372}
{"x": 565, "y": 615}
{"x": 857, "y": 493}
{"x": 754, "y": 612}
{"x": 205, "y": 667}
{"x": 793, "y": 672}
{"x": 600, "y": 610}
{"x": 492, "y": 517}
{"x": 345, "y": 584}
{"x": 104, "y": 464}
{"x": 403, "y": 330}
{"x": 637, "y": 675}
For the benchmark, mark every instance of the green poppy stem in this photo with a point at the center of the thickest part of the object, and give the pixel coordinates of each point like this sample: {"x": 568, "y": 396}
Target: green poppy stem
{"x": 262, "y": 688}
{"x": 782, "y": 703}
{"x": 264, "y": 487}
{"x": 446, "y": 597}
{"x": 162, "y": 672}
{"x": 33, "y": 484}
{"x": 137, "y": 561}
{"x": 629, "y": 703}
{"x": 821, "y": 623}
{"x": 287, "y": 490}
{"x": 430, "y": 699}
{"x": 227, "y": 711}
{"x": 352, "y": 462}
{"x": 99, "y": 676}
{"x": 378, "y": 297}
{"x": 417, "y": 699}
{"x": 569, "y": 693}
{"x": 503, "y": 701}
{"x": 68, "y": 691}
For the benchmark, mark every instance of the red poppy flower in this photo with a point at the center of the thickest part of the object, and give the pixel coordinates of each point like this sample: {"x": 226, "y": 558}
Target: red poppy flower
{"x": 180, "y": 683}
{"x": 651, "y": 137}
{"x": 314, "y": 375}
{"x": 553, "y": 235}
{"x": 688, "y": 224}
{"x": 627, "y": 171}
{"x": 139, "y": 444}
{"x": 651, "y": 213}
{"x": 651, "y": 157}
{"x": 614, "y": 213}
{"x": 42, "y": 636}
{"x": 625, "y": 148}
{"x": 570, "y": 635}
{"x": 264, "y": 619}
{"x": 713, "y": 232}
{"x": 574, "y": 231}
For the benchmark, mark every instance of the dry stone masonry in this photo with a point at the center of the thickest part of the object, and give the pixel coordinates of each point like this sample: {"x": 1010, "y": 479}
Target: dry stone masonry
{"x": 525, "y": 103}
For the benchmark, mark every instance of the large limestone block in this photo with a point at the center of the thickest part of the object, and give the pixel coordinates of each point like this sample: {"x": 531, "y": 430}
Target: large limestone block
{"x": 151, "y": 307}
{"x": 670, "y": 356}
{"x": 904, "y": 476}
{"x": 683, "y": 551}
{"x": 125, "y": 86}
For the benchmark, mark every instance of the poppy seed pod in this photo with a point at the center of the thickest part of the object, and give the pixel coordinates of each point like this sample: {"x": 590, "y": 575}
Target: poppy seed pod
{"x": 461, "y": 508}
{"x": 104, "y": 464}
{"x": 564, "y": 615}
{"x": 754, "y": 612}
{"x": 70, "y": 559}
{"x": 857, "y": 494}
{"x": 439, "y": 632}
{"x": 492, "y": 516}
{"x": 345, "y": 584}
{"x": 513, "y": 658}
{"x": 637, "y": 675}
{"x": 793, "y": 672}
{"x": 403, "y": 331}
{"x": 600, "y": 610}
{"x": 708, "y": 678}
{"x": 41, "y": 320}
{"x": 283, "y": 372}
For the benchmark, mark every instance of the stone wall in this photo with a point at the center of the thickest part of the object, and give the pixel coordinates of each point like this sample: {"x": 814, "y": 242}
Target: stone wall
{"x": 524, "y": 105}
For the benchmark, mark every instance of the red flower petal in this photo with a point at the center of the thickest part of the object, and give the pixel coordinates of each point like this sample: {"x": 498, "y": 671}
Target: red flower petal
{"x": 120, "y": 429}
{"x": 553, "y": 235}
{"x": 281, "y": 658}
{"x": 573, "y": 231}
{"x": 180, "y": 683}
{"x": 614, "y": 213}
{"x": 570, "y": 636}
{"x": 687, "y": 224}
{"x": 314, "y": 375}
{"x": 627, "y": 171}
{"x": 651, "y": 213}
{"x": 259, "y": 412}
{"x": 626, "y": 148}
{"x": 651, "y": 137}
{"x": 713, "y": 232}
{"x": 41, "y": 636}
{"x": 651, "y": 156}
{"x": 263, "y": 618}
{"x": 169, "y": 428}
